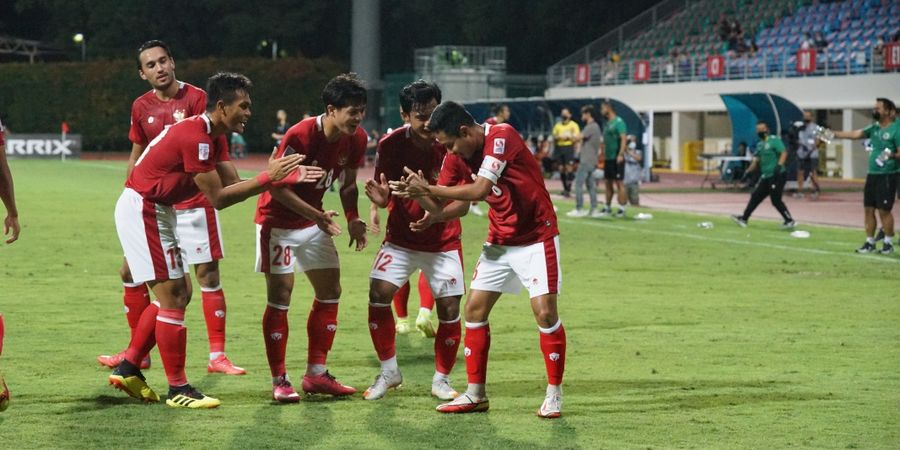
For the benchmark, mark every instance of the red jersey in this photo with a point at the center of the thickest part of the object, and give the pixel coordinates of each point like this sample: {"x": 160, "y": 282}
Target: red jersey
{"x": 307, "y": 137}
{"x": 165, "y": 172}
{"x": 150, "y": 115}
{"x": 521, "y": 211}
{"x": 395, "y": 151}
{"x": 491, "y": 121}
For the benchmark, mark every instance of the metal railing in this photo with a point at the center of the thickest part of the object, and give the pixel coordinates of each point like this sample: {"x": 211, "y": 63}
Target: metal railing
{"x": 616, "y": 38}
{"x": 742, "y": 67}
{"x": 460, "y": 57}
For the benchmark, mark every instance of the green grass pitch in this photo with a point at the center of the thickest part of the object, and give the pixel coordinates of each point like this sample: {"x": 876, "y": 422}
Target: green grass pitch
{"x": 678, "y": 337}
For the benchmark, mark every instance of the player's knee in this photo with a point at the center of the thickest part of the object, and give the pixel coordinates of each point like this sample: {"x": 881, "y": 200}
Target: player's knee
{"x": 377, "y": 294}
{"x": 447, "y": 308}
{"x": 475, "y": 312}
{"x": 329, "y": 293}
{"x": 546, "y": 318}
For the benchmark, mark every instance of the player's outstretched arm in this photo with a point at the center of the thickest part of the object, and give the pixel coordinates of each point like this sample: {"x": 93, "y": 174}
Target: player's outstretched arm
{"x": 452, "y": 210}
{"x": 854, "y": 134}
{"x": 292, "y": 201}
{"x": 414, "y": 185}
{"x": 11, "y": 226}
{"x": 349, "y": 199}
{"x": 223, "y": 197}
{"x": 227, "y": 173}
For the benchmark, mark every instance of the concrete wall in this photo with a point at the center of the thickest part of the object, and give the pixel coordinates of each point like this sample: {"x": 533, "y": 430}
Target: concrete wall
{"x": 857, "y": 91}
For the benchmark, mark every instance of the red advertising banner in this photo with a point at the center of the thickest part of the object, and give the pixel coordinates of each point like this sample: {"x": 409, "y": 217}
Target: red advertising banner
{"x": 806, "y": 60}
{"x": 892, "y": 56}
{"x": 715, "y": 66}
{"x": 582, "y": 73}
{"x": 641, "y": 70}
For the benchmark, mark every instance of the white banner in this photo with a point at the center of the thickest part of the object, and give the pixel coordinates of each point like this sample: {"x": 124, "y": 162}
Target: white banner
{"x": 43, "y": 146}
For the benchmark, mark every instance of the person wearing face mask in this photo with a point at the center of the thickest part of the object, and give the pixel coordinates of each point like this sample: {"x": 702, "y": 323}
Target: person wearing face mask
{"x": 770, "y": 159}
{"x": 564, "y": 133}
{"x": 808, "y": 156}
{"x": 881, "y": 182}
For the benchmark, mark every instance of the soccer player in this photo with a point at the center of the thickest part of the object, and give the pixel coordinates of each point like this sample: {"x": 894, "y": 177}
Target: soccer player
{"x": 500, "y": 114}
{"x": 522, "y": 247}
{"x": 11, "y": 228}
{"x": 177, "y": 164}
{"x": 808, "y": 156}
{"x": 614, "y": 142}
{"x": 199, "y": 235}
{"x": 436, "y": 251}
{"x": 770, "y": 158}
{"x": 293, "y": 230}
{"x": 881, "y": 181}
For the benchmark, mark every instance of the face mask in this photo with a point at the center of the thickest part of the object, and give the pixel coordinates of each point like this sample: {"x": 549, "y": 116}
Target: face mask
{"x": 761, "y": 134}
{"x": 876, "y": 115}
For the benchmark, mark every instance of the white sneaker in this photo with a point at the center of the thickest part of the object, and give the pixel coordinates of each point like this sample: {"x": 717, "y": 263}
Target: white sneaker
{"x": 440, "y": 388}
{"x": 598, "y": 214}
{"x": 384, "y": 381}
{"x": 552, "y": 406}
{"x": 577, "y": 213}
{"x": 475, "y": 209}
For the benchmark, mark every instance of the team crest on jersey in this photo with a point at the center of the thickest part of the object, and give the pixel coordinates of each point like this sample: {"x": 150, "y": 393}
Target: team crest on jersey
{"x": 150, "y": 119}
{"x": 178, "y": 115}
{"x": 886, "y": 136}
{"x": 499, "y": 146}
{"x": 203, "y": 151}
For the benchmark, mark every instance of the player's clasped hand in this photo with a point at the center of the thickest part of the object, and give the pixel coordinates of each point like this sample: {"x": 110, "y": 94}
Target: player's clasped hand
{"x": 410, "y": 186}
{"x": 424, "y": 223}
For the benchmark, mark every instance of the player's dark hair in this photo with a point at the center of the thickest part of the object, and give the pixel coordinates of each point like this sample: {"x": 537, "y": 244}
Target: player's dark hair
{"x": 224, "y": 86}
{"x": 150, "y": 44}
{"x": 419, "y": 92}
{"x": 344, "y": 90}
{"x": 589, "y": 109}
{"x": 448, "y": 117}
{"x": 888, "y": 104}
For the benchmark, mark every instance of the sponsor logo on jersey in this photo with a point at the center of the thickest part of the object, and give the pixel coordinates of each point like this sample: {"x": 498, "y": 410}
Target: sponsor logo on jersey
{"x": 203, "y": 151}
{"x": 499, "y": 146}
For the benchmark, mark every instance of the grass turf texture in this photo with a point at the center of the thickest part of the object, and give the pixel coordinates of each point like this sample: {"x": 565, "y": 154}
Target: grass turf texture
{"x": 678, "y": 337}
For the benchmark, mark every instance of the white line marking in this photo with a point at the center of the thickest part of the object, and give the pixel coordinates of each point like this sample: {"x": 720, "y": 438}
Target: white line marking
{"x": 735, "y": 241}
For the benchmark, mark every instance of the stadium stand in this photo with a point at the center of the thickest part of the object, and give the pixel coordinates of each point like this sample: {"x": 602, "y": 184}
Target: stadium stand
{"x": 677, "y": 41}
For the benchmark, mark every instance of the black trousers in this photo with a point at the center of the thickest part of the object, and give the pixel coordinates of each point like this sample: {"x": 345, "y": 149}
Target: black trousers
{"x": 771, "y": 187}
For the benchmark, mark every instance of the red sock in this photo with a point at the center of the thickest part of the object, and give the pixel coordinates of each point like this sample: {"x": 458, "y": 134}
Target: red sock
{"x": 1, "y": 334}
{"x": 172, "y": 337}
{"x": 136, "y": 299}
{"x": 401, "y": 298}
{"x": 381, "y": 328}
{"x": 320, "y": 329}
{"x": 275, "y": 335}
{"x": 446, "y": 344}
{"x": 478, "y": 342}
{"x": 214, "y": 312}
{"x": 144, "y": 337}
{"x": 553, "y": 346}
{"x": 426, "y": 300}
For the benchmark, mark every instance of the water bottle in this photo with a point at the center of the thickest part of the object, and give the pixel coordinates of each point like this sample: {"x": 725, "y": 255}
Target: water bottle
{"x": 884, "y": 157}
{"x": 705, "y": 225}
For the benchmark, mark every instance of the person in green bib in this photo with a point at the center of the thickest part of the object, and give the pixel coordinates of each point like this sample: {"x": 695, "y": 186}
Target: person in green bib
{"x": 770, "y": 158}
{"x": 881, "y": 181}
{"x": 614, "y": 143}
